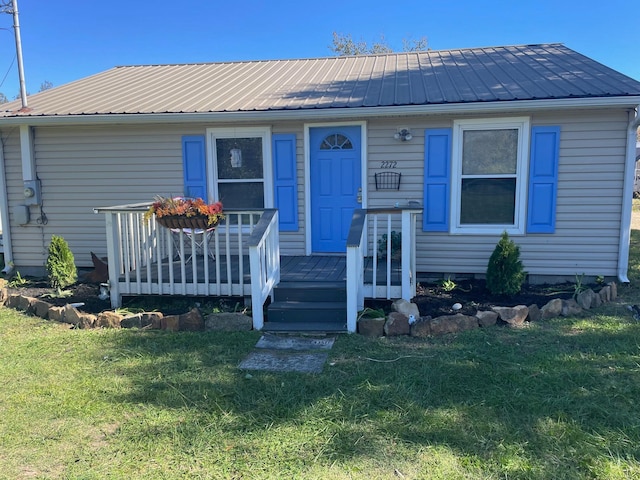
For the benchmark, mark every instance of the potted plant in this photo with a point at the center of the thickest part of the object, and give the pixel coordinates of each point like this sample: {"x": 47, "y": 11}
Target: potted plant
{"x": 180, "y": 212}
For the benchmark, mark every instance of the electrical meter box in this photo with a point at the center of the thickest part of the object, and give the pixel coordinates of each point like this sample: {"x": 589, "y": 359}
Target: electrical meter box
{"x": 32, "y": 192}
{"x": 21, "y": 214}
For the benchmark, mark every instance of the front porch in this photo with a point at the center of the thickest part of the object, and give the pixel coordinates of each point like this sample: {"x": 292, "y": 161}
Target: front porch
{"x": 242, "y": 258}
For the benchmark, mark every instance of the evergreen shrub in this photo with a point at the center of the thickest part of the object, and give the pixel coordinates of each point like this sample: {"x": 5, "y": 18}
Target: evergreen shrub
{"x": 505, "y": 273}
{"x": 61, "y": 267}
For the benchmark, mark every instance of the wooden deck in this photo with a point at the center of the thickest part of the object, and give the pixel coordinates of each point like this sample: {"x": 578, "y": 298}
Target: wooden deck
{"x": 313, "y": 268}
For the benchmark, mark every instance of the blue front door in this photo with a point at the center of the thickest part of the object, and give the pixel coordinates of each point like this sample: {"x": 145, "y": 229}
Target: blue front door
{"x": 335, "y": 185}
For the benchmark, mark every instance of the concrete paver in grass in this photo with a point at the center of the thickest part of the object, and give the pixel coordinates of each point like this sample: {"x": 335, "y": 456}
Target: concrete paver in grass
{"x": 288, "y": 354}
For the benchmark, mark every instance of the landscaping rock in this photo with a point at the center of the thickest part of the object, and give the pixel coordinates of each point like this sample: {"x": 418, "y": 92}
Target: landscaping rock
{"x": 605, "y": 294}
{"x": 4, "y": 294}
{"x": 191, "y": 321}
{"x": 534, "y": 313}
{"x": 25, "y": 303}
{"x": 397, "y": 324}
{"x": 570, "y": 307}
{"x": 56, "y": 314}
{"x": 422, "y": 328}
{"x": 371, "y": 327}
{"x": 41, "y": 308}
{"x": 108, "y": 319}
{"x": 585, "y": 299}
{"x": 487, "y": 319}
{"x": 132, "y": 321}
{"x": 170, "y": 323}
{"x": 70, "y": 315}
{"x": 406, "y": 308}
{"x": 12, "y": 301}
{"x": 151, "y": 320}
{"x": 614, "y": 290}
{"x": 87, "y": 320}
{"x": 552, "y": 309}
{"x": 596, "y": 301}
{"x": 227, "y": 322}
{"x": 452, "y": 324}
{"x": 512, "y": 315}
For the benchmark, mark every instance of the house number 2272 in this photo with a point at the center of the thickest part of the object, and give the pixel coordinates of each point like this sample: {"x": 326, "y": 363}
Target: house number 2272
{"x": 389, "y": 164}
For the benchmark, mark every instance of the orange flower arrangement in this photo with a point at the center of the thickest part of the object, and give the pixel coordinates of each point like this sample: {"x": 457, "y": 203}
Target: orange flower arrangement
{"x": 187, "y": 207}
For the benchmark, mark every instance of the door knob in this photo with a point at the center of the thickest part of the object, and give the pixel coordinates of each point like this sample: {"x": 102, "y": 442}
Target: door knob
{"x": 359, "y": 198}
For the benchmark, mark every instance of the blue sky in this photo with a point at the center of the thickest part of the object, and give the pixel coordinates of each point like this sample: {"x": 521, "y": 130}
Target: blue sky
{"x": 65, "y": 40}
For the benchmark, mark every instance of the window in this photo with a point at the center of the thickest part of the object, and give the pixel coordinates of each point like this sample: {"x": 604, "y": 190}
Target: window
{"x": 241, "y": 163}
{"x": 489, "y": 175}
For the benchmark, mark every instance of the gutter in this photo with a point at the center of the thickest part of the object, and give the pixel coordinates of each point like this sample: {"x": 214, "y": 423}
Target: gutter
{"x": 322, "y": 113}
{"x": 627, "y": 195}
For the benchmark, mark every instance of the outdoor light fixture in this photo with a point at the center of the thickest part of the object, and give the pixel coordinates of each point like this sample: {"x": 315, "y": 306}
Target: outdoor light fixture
{"x": 403, "y": 135}
{"x": 236, "y": 157}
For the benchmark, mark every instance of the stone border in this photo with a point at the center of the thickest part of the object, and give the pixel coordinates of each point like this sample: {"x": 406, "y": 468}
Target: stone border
{"x": 405, "y": 318}
{"x": 192, "y": 321}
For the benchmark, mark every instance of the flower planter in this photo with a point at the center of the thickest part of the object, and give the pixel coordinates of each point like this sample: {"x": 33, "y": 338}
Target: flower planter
{"x": 180, "y": 221}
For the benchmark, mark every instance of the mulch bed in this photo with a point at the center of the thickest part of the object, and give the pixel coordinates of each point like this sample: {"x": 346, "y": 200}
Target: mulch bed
{"x": 432, "y": 299}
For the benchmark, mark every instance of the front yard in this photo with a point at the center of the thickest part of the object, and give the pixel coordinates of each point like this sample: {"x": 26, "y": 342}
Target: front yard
{"x": 557, "y": 399}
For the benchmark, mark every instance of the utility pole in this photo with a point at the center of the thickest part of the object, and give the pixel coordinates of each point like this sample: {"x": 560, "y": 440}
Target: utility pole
{"x": 13, "y": 9}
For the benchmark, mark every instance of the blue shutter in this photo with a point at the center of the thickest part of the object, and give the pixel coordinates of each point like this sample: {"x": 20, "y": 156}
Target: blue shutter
{"x": 437, "y": 180}
{"x": 543, "y": 179}
{"x": 285, "y": 180}
{"x": 194, "y": 166}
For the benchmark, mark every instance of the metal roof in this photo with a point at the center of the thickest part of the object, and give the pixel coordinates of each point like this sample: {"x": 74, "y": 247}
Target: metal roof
{"x": 509, "y": 73}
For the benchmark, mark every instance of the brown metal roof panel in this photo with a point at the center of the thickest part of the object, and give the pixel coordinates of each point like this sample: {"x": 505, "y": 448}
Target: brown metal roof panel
{"x": 412, "y": 78}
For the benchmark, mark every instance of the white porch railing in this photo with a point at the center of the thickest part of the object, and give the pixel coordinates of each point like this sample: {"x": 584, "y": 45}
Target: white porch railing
{"x": 147, "y": 259}
{"x": 367, "y": 229}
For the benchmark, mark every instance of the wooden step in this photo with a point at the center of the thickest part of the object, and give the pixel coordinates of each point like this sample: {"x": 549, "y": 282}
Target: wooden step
{"x": 308, "y": 327}
{"x": 304, "y": 312}
{"x": 311, "y": 292}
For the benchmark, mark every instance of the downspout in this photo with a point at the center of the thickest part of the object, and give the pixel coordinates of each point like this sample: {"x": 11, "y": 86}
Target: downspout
{"x": 4, "y": 211}
{"x": 627, "y": 195}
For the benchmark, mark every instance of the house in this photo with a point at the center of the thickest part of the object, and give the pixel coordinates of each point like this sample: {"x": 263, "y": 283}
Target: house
{"x": 450, "y": 147}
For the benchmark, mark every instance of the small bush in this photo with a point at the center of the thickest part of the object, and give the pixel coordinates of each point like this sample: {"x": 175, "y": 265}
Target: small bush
{"x": 396, "y": 245}
{"x": 505, "y": 274}
{"x": 61, "y": 267}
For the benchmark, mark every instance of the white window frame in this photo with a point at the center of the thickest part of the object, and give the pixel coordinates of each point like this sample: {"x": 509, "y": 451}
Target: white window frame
{"x": 240, "y": 132}
{"x": 522, "y": 125}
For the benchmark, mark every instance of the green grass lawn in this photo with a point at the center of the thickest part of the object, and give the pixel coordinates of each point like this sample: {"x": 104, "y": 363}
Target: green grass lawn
{"x": 555, "y": 400}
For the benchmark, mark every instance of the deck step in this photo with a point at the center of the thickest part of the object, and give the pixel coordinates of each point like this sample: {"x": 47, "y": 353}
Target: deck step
{"x": 311, "y": 292}
{"x": 308, "y": 327}
{"x": 308, "y": 307}
{"x": 303, "y": 312}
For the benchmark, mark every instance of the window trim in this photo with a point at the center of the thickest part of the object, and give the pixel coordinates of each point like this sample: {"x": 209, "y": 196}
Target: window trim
{"x": 267, "y": 161}
{"x": 522, "y": 124}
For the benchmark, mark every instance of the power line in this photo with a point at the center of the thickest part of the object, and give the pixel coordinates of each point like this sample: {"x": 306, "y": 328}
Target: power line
{"x": 8, "y": 70}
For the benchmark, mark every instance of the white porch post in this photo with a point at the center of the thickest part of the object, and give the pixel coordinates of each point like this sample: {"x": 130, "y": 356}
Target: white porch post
{"x": 352, "y": 288}
{"x": 113, "y": 258}
{"x": 407, "y": 241}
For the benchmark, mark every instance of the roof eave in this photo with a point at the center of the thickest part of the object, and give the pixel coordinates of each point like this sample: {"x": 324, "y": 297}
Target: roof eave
{"x": 326, "y": 113}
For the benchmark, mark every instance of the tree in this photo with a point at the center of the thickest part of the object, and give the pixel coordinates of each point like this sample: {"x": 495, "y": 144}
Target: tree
{"x": 344, "y": 44}
{"x": 3, "y": 98}
{"x": 46, "y": 85}
{"x": 505, "y": 273}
